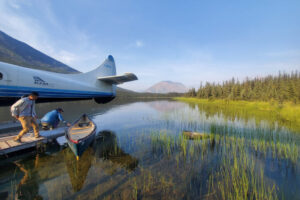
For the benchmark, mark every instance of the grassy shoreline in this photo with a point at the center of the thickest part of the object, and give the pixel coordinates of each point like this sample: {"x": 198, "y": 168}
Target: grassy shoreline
{"x": 287, "y": 113}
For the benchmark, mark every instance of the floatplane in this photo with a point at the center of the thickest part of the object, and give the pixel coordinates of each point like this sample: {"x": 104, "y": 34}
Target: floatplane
{"x": 98, "y": 84}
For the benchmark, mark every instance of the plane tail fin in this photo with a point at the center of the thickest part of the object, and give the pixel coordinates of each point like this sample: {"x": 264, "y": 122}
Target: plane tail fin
{"x": 105, "y": 75}
{"x": 107, "y": 68}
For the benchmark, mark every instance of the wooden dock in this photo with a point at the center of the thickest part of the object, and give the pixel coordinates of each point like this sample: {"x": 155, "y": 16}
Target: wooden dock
{"x": 8, "y": 145}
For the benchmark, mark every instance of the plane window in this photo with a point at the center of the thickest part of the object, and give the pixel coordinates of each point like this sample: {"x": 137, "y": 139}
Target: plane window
{"x": 1, "y": 76}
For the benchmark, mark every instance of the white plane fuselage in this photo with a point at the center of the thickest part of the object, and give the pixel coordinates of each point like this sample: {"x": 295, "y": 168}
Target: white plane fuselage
{"x": 16, "y": 81}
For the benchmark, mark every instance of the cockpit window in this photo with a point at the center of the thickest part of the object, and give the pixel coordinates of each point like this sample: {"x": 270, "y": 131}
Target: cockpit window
{"x": 1, "y": 76}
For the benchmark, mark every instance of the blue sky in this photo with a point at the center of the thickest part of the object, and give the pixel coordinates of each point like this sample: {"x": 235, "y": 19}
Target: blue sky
{"x": 182, "y": 41}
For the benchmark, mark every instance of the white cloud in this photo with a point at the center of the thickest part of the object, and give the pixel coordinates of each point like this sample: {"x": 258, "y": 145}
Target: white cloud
{"x": 193, "y": 66}
{"x": 14, "y": 4}
{"x": 286, "y": 53}
{"x": 74, "y": 48}
{"x": 19, "y": 26}
{"x": 66, "y": 57}
{"x": 139, "y": 43}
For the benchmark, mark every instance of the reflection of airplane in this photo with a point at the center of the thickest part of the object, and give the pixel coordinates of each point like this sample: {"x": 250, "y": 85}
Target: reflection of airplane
{"x": 100, "y": 84}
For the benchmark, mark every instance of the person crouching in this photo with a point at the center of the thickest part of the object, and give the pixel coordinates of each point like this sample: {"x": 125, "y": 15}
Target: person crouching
{"x": 24, "y": 111}
{"x": 52, "y": 119}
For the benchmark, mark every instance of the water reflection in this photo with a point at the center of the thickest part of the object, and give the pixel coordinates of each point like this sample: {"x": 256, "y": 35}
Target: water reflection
{"x": 78, "y": 170}
{"x": 165, "y": 106}
{"x": 28, "y": 187}
{"x": 108, "y": 149}
{"x": 233, "y": 113}
{"x": 74, "y": 109}
{"x": 47, "y": 169}
{"x": 144, "y": 155}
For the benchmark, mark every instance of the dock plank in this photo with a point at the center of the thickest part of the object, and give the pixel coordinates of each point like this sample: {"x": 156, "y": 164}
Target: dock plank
{"x": 12, "y": 143}
{"x": 3, "y": 139}
{"x": 4, "y": 145}
{"x": 8, "y": 145}
{"x": 28, "y": 139}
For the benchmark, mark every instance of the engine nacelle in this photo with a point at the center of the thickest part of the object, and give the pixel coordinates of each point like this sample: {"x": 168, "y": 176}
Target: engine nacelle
{"x": 104, "y": 100}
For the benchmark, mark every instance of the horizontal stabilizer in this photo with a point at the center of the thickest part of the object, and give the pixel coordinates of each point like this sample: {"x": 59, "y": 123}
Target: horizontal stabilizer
{"x": 118, "y": 79}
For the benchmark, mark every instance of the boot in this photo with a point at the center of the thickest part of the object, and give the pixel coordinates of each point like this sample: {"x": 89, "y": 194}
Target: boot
{"x": 17, "y": 139}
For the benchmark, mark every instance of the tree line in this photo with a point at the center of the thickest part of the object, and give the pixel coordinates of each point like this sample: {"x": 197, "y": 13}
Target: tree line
{"x": 282, "y": 87}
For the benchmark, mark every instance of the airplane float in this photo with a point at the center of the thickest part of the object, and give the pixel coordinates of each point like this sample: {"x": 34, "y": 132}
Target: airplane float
{"x": 98, "y": 84}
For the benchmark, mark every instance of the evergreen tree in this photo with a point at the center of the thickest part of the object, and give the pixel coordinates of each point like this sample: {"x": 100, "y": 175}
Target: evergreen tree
{"x": 283, "y": 87}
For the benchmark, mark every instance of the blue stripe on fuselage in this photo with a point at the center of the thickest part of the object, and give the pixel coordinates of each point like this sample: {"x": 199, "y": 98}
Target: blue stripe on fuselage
{"x": 15, "y": 91}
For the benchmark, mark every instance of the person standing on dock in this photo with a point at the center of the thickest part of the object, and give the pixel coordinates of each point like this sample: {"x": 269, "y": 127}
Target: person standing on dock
{"x": 52, "y": 119}
{"x": 24, "y": 111}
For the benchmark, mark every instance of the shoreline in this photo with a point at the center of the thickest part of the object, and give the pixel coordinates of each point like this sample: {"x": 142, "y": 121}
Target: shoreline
{"x": 286, "y": 113}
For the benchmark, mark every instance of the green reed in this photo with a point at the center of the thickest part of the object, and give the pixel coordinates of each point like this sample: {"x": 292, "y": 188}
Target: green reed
{"x": 237, "y": 175}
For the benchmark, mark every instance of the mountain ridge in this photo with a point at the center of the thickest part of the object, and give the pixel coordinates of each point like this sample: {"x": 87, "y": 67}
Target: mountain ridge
{"x": 16, "y": 52}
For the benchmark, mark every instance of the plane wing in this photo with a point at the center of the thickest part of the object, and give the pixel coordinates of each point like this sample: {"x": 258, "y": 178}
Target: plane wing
{"x": 118, "y": 79}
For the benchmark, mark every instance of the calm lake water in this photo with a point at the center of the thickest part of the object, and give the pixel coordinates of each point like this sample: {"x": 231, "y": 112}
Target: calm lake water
{"x": 141, "y": 153}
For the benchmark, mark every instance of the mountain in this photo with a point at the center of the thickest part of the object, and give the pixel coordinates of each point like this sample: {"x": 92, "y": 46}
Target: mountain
{"x": 167, "y": 87}
{"x": 19, "y": 53}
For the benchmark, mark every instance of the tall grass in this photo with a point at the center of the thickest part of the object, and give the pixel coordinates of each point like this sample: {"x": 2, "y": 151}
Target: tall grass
{"x": 286, "y": 114}
{"x": 236, "y": 174}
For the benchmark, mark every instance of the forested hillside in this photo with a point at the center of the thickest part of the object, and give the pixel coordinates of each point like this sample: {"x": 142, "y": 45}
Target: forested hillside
{"x": 283, "y": 87}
